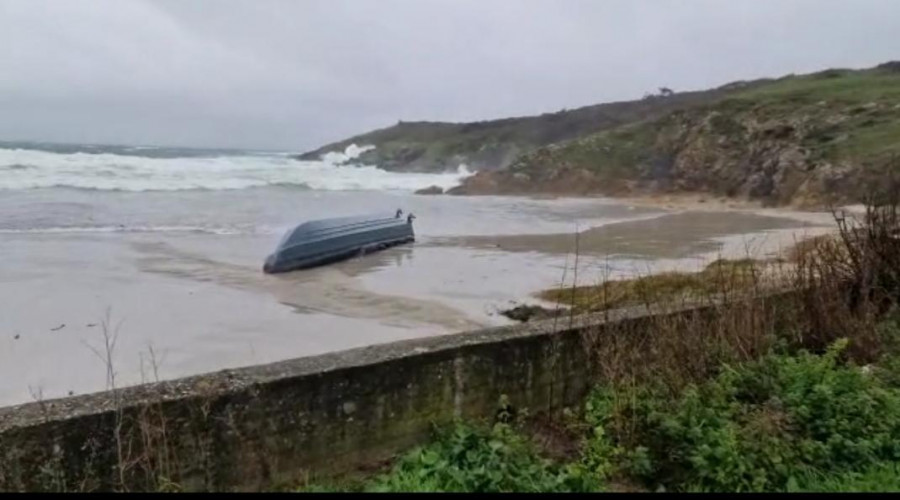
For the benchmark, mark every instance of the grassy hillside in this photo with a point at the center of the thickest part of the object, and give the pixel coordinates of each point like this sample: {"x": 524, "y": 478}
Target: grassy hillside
{"x": 801, "y": 140}
{"x": 490, "y": 145}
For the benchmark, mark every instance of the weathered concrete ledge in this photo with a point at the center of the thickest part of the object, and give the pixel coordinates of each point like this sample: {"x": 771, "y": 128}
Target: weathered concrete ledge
{"x": 255, "y": 427}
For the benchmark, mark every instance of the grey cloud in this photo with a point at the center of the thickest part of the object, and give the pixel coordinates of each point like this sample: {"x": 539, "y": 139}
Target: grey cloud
{"x": 292, "y": 74}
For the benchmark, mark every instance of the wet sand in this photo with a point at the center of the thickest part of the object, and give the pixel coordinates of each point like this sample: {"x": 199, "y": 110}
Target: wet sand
{"x": 201, "y": 302}
{"x": 673, "y": 236}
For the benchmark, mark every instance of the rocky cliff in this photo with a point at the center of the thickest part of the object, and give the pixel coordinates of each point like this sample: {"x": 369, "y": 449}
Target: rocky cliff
{"x": 800, "y": 140}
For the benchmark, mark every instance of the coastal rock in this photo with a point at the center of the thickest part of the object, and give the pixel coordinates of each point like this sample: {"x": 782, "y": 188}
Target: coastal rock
{"x": 480, "y": 183}
{"x": 432, "y": 190}
{"x": 525, "y": 313}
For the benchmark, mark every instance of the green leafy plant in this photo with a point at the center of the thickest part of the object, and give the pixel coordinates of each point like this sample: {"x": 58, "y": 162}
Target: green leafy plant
{"x": 466, "y": 458}
{"x": 758, "y": 426}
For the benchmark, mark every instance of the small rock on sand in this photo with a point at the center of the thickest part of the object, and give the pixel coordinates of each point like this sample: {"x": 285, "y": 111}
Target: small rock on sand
{"x": 526, "y": 313}
{"x": 431, "y": 190}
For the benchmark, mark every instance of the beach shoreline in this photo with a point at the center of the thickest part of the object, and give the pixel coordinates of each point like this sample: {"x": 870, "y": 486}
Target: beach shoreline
{"x": 202, "y": 302}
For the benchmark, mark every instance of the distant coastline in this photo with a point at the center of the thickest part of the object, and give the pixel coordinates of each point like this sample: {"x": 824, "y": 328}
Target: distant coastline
{"x": 804, "y": 141}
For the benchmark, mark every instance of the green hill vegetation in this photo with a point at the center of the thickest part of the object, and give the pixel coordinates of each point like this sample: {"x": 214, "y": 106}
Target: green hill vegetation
{"x": 801, "y": 140}
{"x": 805, "y": 140}
{"x": 494, "y": 144}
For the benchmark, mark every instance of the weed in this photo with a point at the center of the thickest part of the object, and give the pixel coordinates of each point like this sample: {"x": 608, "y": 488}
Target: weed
{"x": 468, "y": 458}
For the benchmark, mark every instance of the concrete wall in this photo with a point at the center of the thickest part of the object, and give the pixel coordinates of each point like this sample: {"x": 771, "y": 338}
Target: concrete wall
{"x": 258, "y": 427}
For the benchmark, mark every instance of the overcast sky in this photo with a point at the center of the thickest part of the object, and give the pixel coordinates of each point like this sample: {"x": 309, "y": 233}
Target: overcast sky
{"x": 292, "y": 74}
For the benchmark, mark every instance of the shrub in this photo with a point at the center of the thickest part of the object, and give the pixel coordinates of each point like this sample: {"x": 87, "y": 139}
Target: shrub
{"x": 757, "y": 426}
{"x": 468, "y": 458}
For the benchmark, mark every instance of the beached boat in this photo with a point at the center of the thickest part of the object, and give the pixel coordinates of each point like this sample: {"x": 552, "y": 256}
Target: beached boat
{"x": 325, "y": 241}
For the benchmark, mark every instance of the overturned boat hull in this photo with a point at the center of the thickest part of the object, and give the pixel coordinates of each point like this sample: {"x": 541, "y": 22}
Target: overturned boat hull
{"x": 325, "y": 241}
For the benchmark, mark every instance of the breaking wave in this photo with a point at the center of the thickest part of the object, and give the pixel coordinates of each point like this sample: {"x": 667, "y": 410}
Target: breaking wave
{"x": 34, "y": 169}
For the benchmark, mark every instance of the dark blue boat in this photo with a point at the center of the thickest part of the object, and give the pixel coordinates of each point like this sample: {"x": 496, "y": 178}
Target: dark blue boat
{"x": 329, "y": 240}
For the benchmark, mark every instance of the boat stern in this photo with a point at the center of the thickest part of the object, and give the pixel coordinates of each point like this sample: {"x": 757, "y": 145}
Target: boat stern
{"x": 269, "y": 265}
